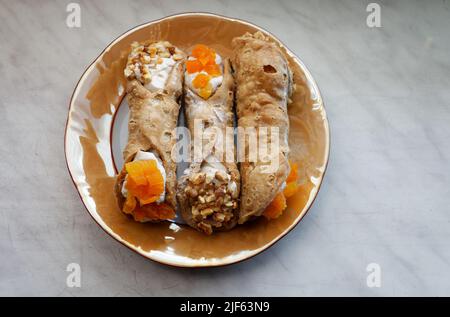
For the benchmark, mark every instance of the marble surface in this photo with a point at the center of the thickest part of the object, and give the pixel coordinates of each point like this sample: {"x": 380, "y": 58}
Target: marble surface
{"x": 385, "y": 198}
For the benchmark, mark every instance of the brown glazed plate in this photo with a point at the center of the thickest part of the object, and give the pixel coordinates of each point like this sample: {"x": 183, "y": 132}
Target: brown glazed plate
{"x": 96, "y": 134}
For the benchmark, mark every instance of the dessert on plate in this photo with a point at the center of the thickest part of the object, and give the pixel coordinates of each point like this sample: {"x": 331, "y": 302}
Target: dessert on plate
{"x": 146, "y": 186}
{"x": 213, "y": 194}
{"x": 263, "y": 88}
{"x": 208, "y": 191}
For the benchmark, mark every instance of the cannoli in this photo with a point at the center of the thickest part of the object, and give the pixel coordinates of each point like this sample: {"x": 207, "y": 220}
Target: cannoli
{"x": 263, "y": 87}
{"x": 209, "y": 189}
{"x": 146, "y": 186}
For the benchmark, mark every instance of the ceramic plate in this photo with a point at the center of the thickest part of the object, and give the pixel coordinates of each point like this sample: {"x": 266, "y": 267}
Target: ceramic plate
{"x": 96, "y": 133}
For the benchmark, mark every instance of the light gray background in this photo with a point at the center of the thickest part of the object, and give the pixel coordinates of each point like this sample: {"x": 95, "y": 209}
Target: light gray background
{"x": 385, "y": 197}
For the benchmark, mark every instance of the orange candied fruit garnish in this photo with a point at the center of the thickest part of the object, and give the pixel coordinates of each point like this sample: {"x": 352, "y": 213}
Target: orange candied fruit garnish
{"x": 276, "y": 207}
{"x": 293, "y": 174}
{"x": 204, "y": 54}
{"x": 200, "y": 50}
{"x": 205, "y": 60}
{"x": 278, "y": 204}
{"x": 206, "y": 92}
{"x": 201, "y": 80}
{"x": 291, "y": 189}
{"x": 193, "y": 66}
{"x": 154, "y": 212}
{"x": 291, "y": 181}
{"x": 212, "y": 69}
{"x": 130, "y": 204}
{"x": 144, "y": 181}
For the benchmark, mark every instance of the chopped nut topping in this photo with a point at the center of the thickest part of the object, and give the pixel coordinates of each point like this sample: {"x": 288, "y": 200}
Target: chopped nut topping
{"x": 219, "y": 217}
{"x": 211, "y": 199}
{"x": 221, "y": 176}
{"x": 206, "y": 228}
{"x": 177, "y": 57}
{"x": 209, "y": 178}
{"x": 128, "y": 72}
{"x": 191, "y": 191}
{"x": 165, "y": 54}
{"x": 206, "y": 212}
{"x": 146, "y": 56}
{"x": 198, "y": 178}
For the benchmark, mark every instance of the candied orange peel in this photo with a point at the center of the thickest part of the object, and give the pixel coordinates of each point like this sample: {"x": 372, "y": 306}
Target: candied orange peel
{"x": 193, "y": 66}
{"x": 291, "y": 189}
{"x": 130, "y": 204}
{"x": 213, "y": 70}
{"x": 204, "y": 54}
{"x": 145, "y": 184}
{"x": 204, "y": 63}
{"x": 201, "y": 80}
{"x": 205, "y": 60}
{"x": 291, "y": 181}
{"x": 206, "y": 92}
{"x": 278, "y": 205}
{"x": 153, "y": 212}
{"x": 293, "y": 174}
{"x": 145, "y": 181}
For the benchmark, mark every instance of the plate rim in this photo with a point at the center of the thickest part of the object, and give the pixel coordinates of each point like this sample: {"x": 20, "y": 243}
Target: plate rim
{"x": 205, "y": 264}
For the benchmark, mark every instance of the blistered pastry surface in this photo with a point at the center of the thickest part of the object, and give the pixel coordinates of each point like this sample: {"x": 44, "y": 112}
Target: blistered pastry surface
{"x": 263, "y": 87}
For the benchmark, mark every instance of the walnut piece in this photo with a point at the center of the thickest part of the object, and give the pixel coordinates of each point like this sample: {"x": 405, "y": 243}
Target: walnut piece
{"x": 211, "y": 198}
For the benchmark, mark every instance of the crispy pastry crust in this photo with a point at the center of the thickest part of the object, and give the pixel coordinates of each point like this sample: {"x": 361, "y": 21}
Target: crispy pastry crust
{"x": 151, "y": 127}
{"x": 216, "y": 111}
{"x": 263, "y": 82}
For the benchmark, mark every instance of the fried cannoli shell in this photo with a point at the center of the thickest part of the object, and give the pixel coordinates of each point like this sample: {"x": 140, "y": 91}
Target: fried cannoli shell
{"x": 216, "y": 111}
{"x": 263, "y": 88}
{"x": 151, "y": 127}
